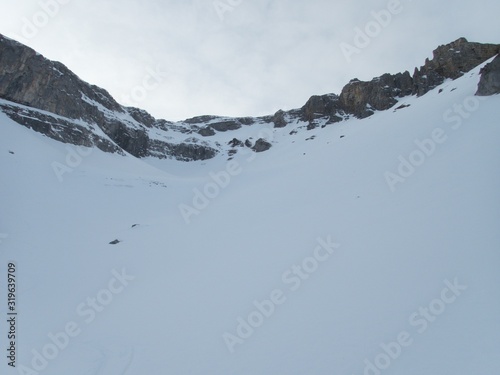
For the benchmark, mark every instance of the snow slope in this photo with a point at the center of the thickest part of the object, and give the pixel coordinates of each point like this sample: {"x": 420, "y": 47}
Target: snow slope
{"x": 171, "y": 296}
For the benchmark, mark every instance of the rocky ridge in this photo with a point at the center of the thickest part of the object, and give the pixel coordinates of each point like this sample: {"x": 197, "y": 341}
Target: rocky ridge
{"x": 47, "y": 97}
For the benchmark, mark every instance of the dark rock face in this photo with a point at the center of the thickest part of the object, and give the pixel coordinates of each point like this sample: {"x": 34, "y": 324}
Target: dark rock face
{"x": 134, "y": 141}
{"x": 246, "y": 120}
{"x": 59, "y": 128}
{"x": 206, "y": 132}
{"x": 200, "y": 120}
{"x": 451, "y": 61}
{"x": 187, "y": 151}
{"x": 489, "y": 83}
{"x": 230, "y": 124}
{"x": 322, "y": 106}
{"x": 279, "y": 119}
{"x": 362, "y": 98}
{"x": 225, "y": 126}
{"x": 142, "y": 116}
{"x": 28, "y": 78}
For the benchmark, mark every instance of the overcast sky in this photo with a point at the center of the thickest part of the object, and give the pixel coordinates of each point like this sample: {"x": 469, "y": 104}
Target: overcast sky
{"x": 183, "y": 58}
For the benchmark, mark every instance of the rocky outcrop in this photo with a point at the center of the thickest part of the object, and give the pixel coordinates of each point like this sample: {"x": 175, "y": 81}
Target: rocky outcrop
{"x": 451, "y": 61}
{"x": 212, "y": 124}
{"x": 59, "y": 128}
{"x": 224, "y": 126}
{"x": 186, "y": 151}
{"x": 236, "y": 143}
{"x": 279, "y": 120}
{"x": 489, "y": 83}
{"x": 363, "y": 98}
{"x": 47, "y": 97}
{"x": 322, "y": 106}
{"x": 261, "y": 145}
{"x": 29, "y": 79}
{"x": 206, "y": 132}
{"x": 142, "y": 117}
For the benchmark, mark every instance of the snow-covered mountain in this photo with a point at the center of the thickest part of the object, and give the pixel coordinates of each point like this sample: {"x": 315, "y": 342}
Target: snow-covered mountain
{"x": 364, "y": 241}
{"x": 46, "y": 96}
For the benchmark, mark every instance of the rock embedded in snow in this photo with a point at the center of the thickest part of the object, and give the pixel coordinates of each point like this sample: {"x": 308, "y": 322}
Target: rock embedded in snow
{"x": 261, "y": 145}
{"x": 490, "y": 79}
{"x": 279, "y": 119}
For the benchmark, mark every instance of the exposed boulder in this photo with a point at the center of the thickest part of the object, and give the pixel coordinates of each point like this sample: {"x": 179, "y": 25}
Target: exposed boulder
{"x": 261, "y": 145}
{"x": 206, "y": 132}
{"x": 279, "y": 119}
{"x": 236, "y": 143}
